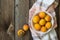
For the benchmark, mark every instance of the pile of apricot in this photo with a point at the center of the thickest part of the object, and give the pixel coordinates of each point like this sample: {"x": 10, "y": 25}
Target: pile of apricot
{"x": 42, "y": 22}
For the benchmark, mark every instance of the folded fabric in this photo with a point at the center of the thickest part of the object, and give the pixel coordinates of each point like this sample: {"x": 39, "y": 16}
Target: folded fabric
{"x": 36, "y": 7}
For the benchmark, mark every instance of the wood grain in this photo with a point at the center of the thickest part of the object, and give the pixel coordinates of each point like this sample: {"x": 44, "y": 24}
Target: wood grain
{"x": 21, "y": 18}
{"x": 6, "y": 16}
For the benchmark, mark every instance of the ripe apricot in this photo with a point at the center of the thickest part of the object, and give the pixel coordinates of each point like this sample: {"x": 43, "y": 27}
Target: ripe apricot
{"x": 20, "y": 33}
{"x": 43, "y": 29}
{"x": 42, "y": 14}
{"x": 25, "y": 27}
{"x": 42, "y": 22}
{"x": 48, "y": 18}
{"x": 48, "y": 25}
{"x": 37, "y": 26}
{"x": 36, "y": 19}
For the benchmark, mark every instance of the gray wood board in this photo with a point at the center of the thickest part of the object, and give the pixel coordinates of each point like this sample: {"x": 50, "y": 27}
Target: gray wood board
{"x": 6, "y": 16}
{"x": 21, "y": 18}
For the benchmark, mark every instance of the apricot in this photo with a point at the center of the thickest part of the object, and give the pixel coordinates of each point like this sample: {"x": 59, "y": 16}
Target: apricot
{"x": 42, "y": 22}
{"x": 37, "y": 27}
{"x": 48, "y": 18}
{"x": 25, "y": 27}
{"x": 36, "y": 19}
{"x": 48, "y": 25}
{"x": 43, "y": 29}
{"x": 20, "y": 33}
{"x": 42, "y": 14}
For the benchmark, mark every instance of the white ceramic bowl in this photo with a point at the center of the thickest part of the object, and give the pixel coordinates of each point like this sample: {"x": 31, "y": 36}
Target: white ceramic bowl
{"x": 52, "y": 21}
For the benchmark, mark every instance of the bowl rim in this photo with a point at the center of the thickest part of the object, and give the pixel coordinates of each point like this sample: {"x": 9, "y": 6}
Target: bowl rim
{"x": 52, "y": 21}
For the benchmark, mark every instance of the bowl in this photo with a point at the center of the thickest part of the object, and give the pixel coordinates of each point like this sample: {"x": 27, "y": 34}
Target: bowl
{"x": 52, "y": 21}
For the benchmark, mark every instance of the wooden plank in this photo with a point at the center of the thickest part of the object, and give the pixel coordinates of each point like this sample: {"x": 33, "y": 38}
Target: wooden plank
{"x": 6, "y": 16}
{"x": 58, "y": 31}
{"x": 21, "y": 18}
{"x": 58, "y": 15}
{"x": 31, "y": 3}
{"x": 59, "y": 22}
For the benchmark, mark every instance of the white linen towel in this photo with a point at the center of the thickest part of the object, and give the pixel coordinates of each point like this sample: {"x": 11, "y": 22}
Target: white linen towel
{"x": 37, "y": 5}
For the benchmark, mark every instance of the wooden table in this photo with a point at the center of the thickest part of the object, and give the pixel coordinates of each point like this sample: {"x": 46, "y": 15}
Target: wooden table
{"x": 6, "y": 16}
{"x": 20, "y": 12}
{"x": 21, "y": 17}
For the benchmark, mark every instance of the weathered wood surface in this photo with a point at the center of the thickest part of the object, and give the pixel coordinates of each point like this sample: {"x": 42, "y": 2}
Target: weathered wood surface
{"x": 21, "y": 18}
{"x": 58, "y": 18}
{"x": 6, "y": 16}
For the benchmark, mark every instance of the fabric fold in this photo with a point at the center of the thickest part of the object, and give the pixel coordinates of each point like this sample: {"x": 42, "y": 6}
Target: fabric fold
{"x": 35, "y": 8}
